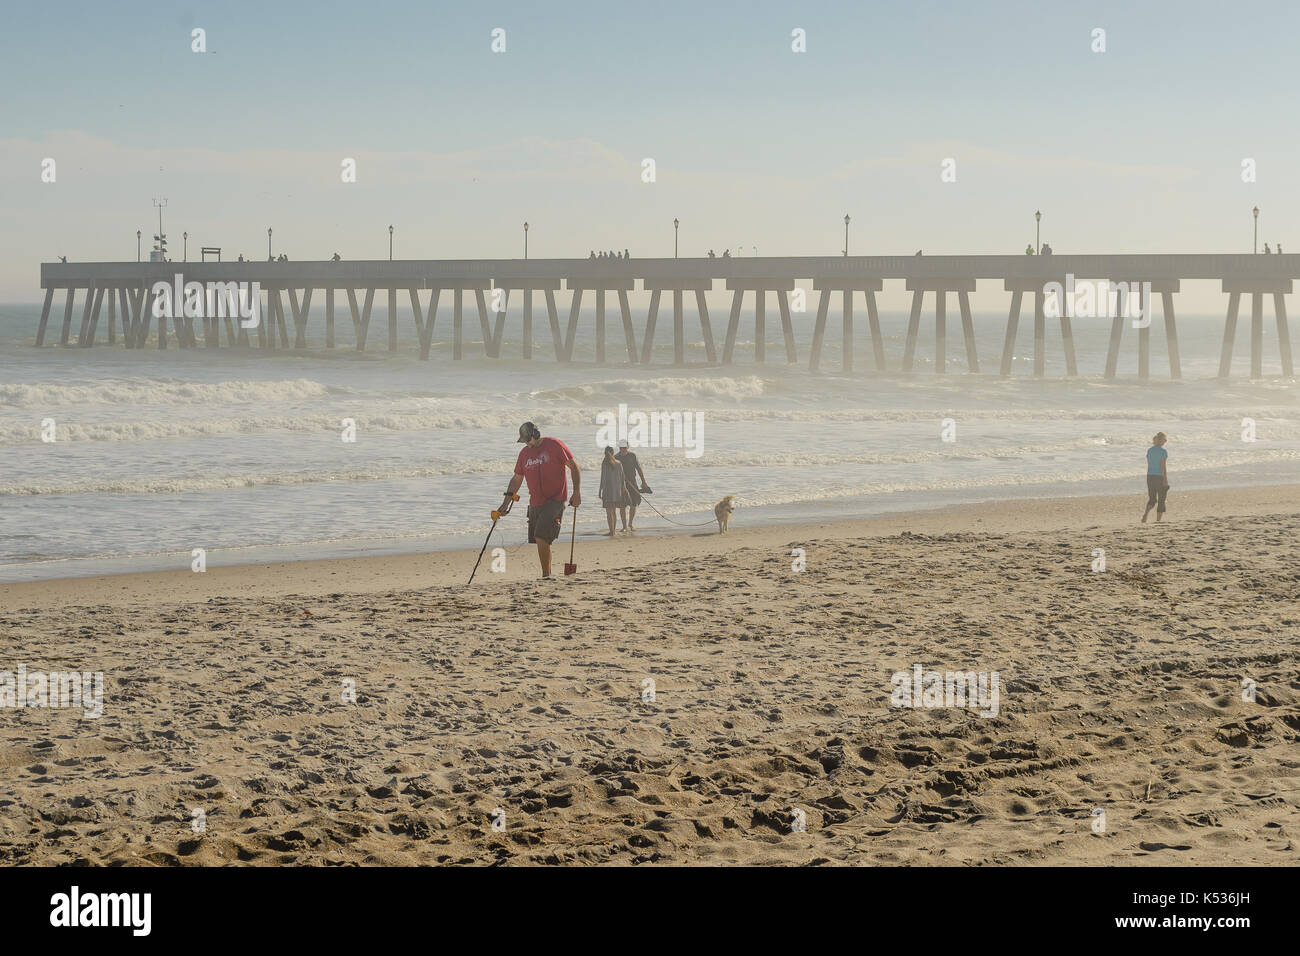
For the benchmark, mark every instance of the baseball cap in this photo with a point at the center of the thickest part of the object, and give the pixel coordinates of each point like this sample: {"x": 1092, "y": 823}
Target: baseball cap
{"x": 622, "y": 443}
{"x": 526, "y": 431}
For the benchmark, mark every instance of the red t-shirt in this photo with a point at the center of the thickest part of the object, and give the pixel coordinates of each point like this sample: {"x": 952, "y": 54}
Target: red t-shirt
{"x": 544, "y": 468}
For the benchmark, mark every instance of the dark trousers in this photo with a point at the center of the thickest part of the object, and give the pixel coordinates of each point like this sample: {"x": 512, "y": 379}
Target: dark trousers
{"x": 1156, "y": 491}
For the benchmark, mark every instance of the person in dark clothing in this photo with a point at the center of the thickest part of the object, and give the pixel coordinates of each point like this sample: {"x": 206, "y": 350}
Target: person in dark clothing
{"x": 613, "y": 495}
{"x": 1157, "y": 476}
{"x": 631, "y": 471}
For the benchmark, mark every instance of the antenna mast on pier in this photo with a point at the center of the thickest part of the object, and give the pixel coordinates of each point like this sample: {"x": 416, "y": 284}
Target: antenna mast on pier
{"x": 159, "y": 252}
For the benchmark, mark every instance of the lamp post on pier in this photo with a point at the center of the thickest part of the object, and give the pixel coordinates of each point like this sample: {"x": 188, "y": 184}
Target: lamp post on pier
{"x": 138, "y": 234}
{"x": 675, "y": 225}
{"x": 1255, "y": 248}
{"x": 1038, "y": 245}
{"x": 525, "y": 240}
{"x": 269, "y": 257}
{"x": 185, "y": 247}
{"x": 390, "y": 243}
{"x": 846, "y": 235}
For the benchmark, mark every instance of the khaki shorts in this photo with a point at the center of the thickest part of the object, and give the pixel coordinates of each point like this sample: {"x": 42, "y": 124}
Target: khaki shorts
{"x": 544, "y": 521}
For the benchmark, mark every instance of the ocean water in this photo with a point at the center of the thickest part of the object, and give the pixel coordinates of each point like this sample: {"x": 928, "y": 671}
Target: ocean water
{"x": 241, "y": 452}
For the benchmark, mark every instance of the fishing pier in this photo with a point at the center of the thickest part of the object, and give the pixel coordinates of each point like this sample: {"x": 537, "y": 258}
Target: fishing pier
{"x": 122, "y": 296}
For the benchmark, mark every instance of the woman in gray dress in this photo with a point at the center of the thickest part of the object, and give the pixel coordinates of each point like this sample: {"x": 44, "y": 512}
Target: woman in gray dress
{"x": 613, "y": 495}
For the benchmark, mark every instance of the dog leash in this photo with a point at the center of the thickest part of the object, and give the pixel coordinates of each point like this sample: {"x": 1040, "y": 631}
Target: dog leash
{"x": 683, "y": 524}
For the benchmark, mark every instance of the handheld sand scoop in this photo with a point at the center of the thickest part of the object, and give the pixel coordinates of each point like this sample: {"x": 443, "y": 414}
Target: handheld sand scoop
{"x": 497, "y": 515}
{"x": 572, "y": 568}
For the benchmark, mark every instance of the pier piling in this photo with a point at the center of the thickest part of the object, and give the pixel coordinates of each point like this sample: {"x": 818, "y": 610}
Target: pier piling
{"x": 826, "y": 285}
{"x": 940, "y": 286}
{"x": 1017, "y": 288}
{"x": 1256, "y": 289}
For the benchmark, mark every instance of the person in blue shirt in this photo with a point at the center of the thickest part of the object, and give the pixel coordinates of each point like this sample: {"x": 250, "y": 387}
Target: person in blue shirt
{"x": 1157, "y": 476}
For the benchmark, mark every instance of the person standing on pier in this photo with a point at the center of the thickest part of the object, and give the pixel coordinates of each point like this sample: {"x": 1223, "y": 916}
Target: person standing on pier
{"x": 1157, "y": 476}
{"x": 542, "y": 463}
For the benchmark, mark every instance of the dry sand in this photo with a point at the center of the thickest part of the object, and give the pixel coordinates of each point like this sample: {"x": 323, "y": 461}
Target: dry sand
{"x": 1120, "y": 691}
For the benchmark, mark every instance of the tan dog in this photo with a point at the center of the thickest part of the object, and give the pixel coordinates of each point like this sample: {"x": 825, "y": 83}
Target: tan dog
{"x": 722, "y": 511}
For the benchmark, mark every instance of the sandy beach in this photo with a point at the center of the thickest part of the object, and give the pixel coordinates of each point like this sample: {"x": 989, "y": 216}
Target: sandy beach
{"x": 770, "y": 738}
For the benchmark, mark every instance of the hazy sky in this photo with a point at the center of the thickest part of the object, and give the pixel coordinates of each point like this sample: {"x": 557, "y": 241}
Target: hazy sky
{"x": 1137, "y": 149}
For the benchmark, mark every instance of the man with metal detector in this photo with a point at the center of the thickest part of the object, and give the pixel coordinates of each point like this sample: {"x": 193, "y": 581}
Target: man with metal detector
{"x": 542, "y": 462}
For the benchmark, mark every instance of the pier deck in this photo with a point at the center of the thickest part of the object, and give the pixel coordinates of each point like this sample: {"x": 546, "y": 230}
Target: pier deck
{"x": 126, "y": 288}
